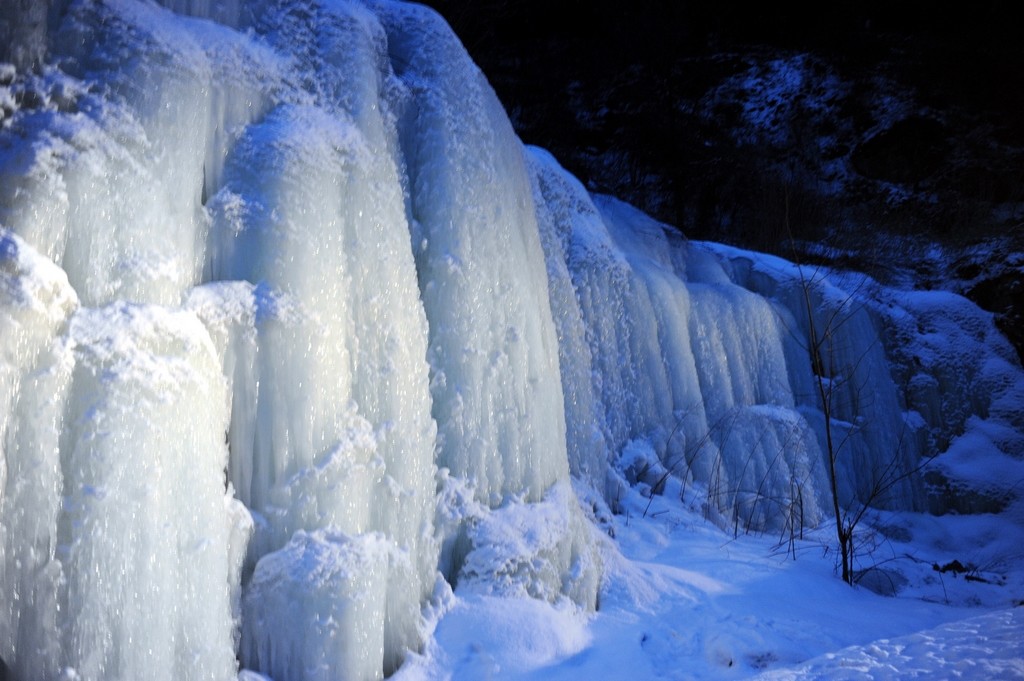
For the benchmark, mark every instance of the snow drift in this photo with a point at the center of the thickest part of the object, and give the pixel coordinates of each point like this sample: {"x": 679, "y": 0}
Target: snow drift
{"x": 292, "y": 327}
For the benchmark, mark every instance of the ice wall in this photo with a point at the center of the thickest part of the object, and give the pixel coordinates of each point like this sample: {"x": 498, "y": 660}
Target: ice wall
{"x": 292, "y": 326}
{"x": 695, "y": 360}
{"x": 310, "y": 276}
{"x": 671, "y": 352}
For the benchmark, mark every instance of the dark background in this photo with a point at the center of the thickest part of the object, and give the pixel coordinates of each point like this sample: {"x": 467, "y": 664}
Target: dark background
{"x": 589, "y": 79}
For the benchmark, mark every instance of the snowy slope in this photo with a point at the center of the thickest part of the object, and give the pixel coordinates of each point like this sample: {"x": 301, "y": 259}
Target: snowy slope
{"x": 683, "y": 600}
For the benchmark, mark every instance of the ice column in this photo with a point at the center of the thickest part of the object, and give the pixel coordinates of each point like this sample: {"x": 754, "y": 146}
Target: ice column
{"x": 493, "y": 349}
{"x": 317, "y": 596}
{"x": 35, "y": 304}
{"x": 336, "y": 433}
{"x": 565, "y": 214}
{"x": 146, "y": 537}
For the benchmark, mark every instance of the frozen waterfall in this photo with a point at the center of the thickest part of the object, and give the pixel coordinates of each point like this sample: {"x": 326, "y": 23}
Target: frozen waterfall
{"x": 293, "y": 329}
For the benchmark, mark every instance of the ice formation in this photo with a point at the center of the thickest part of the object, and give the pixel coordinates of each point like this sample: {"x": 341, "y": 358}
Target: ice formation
{"x": 292, "y": 326}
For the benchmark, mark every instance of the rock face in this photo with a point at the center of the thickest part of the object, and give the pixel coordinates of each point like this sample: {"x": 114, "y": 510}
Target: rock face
{"x": 910, "y": 151}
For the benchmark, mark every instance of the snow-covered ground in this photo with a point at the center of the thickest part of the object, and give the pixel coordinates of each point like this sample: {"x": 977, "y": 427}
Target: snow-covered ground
{"x": 682, "y": 599}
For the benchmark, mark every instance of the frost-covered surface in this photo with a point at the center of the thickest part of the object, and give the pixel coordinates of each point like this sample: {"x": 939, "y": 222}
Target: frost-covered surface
{"x": 986, "y": 646}
{"x": 309, "y": 369}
